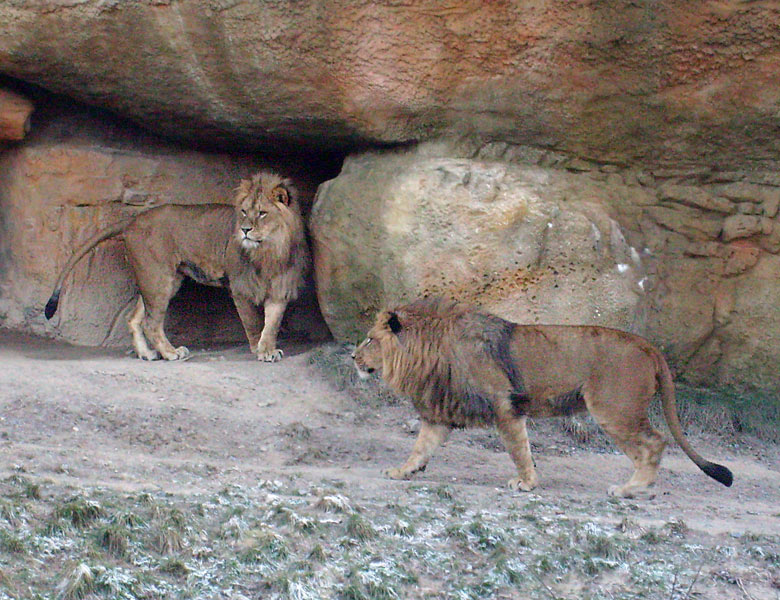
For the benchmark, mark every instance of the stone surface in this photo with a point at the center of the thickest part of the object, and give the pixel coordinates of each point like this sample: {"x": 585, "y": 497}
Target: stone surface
{"x": 519, "y": 240}
{"x": 620, "y": 81}
{"x": 15, "y": 111}
{"x": 743, "y": 226}
{"x": 75, "y": 174}
{"x": 500, "y": 227}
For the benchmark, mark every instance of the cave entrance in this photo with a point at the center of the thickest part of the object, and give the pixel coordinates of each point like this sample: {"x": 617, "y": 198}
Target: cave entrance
{"x": 205, "y": 318}
{"x": 81, "y": 168}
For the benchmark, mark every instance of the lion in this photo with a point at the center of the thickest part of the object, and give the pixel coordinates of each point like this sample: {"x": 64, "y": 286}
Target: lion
{"x": 463, "y": 367}
{"x": 256, "y": 248}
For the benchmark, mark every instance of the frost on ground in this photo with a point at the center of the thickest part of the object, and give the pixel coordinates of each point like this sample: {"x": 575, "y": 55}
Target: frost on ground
{"x": 224, "y": 478}
{"x": 293, "y": 538}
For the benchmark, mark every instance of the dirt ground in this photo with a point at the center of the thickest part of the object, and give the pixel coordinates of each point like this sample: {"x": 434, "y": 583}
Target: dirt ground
{"x": 92, "y": 417}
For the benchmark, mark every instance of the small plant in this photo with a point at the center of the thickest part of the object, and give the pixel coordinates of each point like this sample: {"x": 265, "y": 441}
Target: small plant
{"x": 604, "y": 546}
{"x": 297, "y": 431}
{"x": 128, "y": 520}
{"x": 403, "y": 528}
{"x": 334, "y": 503}
{"x": 677, "y": 528}
{"x": 584, "y": 431}
{"x": 444, "y": 492}
{"x": 10, "y": 512}
{"x": 79, "y": 512}
{"x": 168, "y": 540}
{"x": 263, "y": 546}
{"x": 651, "y": 536}
{"x": 77, "y": 584}
{"x": 31, "y": 490}
{"x": 114, "y": 539}
{"x": 9, "y": 542}
{"x": 175, "y": 567}
{"x": 358, "y": 528}
{"x": 318, "y": 554}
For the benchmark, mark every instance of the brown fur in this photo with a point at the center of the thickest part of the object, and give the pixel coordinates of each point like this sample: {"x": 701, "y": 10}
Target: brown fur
{"x": 256, "y": 248}
{"x": 464, "y": 367}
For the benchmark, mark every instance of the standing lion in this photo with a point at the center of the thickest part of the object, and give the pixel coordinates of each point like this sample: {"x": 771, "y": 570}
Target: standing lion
{"x": 256, "y": 248}
{"x": 463, "y": 367}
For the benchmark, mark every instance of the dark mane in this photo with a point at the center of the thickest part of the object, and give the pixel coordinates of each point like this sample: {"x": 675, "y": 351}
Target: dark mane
{"x": 436, "y": 354}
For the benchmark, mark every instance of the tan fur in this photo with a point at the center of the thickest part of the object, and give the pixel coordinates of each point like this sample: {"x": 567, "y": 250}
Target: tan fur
{"x": 464, "y": 367}
{"x": 256, "y": 247}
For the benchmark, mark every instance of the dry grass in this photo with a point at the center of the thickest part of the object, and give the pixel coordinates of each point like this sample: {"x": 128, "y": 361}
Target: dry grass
{"x": 293, "y": 539}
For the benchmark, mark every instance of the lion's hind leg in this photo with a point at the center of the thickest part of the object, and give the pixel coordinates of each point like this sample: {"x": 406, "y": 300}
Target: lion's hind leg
{"x": 637, "y": 438}
{"x": 644, "y": 448}
{"x": 156, "y": 304}
{"x": 431, "y": 436}
{"x": 134, "y": 323}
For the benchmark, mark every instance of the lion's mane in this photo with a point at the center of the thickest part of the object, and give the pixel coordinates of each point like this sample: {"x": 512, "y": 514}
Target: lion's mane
{"x": 434, "y": 350}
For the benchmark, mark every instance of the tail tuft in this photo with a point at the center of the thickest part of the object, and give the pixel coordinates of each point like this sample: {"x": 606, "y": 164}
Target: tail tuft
{"x": 719, "y": 473}
{"x": 51, "y": 305}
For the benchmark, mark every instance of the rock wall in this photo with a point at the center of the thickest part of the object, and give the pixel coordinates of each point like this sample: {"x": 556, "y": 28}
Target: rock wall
{"x": 619, "y": 80}
{"x": 688, "y": 258}
{"x": 81, "y": 171}
{"x": 619, "y": 165}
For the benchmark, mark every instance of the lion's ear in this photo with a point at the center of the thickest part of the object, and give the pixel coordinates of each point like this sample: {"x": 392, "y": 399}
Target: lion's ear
{"x": 281, "y": 195}
{"x": 394, "y": 323}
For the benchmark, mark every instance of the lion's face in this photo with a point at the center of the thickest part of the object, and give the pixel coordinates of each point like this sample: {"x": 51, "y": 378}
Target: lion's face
{"x": 368, "y": 357}
{"x": 263, "y": 206}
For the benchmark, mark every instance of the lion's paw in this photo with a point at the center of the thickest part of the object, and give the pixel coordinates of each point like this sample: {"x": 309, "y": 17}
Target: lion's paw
{"x": 274, "y": 355}
{"x": 180, "y": 353}
{"x": 522, "y": 485}
{"x": 634, "y": 492}
{"x": 149, "y": 355}
{"x": 397, "y": 474}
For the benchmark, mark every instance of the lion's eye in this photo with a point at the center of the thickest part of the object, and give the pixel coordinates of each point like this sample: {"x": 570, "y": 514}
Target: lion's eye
{"x": 243, "y": 212}
{"x": 368, "y": 341}
{"x": 261, "y": 214}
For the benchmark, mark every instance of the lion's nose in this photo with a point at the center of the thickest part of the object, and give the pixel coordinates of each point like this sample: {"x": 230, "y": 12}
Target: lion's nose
{"x": 246, "y": 230}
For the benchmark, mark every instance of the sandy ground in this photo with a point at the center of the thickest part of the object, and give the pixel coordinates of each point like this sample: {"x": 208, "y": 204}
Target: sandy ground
{"x": 97, "y": 417}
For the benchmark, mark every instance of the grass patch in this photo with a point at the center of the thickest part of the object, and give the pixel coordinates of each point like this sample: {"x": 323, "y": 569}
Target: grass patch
{"x": 114, "y": 539}
{"x": 263, "y": 546}
{"x": 728, "y": 412}
{"x": 291, "y": 540}
{"x": 78, "y": 583}
{"x": 10, "y": 542}
{"x": 79, "y": 512}
{"x": 334, "y": 361}
{"x": 359, "y": 528}
{"x": 731, "y": 411}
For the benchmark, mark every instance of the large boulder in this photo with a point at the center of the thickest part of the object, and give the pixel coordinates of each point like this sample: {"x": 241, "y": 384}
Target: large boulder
{"x": 524, "y": 241}
{"x": 618, "y": 80}
{"x": 539, "y": 237}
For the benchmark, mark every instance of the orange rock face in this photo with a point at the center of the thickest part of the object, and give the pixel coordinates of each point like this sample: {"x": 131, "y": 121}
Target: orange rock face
{"x": 620, "y": 81}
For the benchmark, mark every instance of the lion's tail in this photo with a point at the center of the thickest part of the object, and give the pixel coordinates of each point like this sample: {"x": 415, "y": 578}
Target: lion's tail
{"x": 714, "y": 470}
{"x": 54, "y": 300}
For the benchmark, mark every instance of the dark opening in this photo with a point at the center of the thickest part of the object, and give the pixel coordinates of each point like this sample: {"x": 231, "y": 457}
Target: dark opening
{"x": 204, "y": 317}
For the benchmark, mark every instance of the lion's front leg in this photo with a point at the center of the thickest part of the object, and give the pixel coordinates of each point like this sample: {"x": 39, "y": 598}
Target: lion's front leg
{"x": 250, "y": 319}
{"x": 266, "y": 347}
{"x": 431, "y": 436}
{"x": 514, "y": 434}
